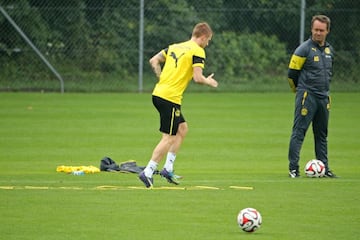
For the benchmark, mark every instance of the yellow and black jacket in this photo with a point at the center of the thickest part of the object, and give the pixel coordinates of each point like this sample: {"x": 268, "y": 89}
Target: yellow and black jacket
{"x": 311, "y": 68}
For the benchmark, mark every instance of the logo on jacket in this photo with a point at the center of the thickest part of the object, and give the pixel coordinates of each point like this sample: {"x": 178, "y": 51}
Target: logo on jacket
{"x": 327, "y": 50}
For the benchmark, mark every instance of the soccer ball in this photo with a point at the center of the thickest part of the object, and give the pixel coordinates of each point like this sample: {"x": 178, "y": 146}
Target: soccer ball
{"x": 249, "y": 219}
{"x": 315, "y": 168}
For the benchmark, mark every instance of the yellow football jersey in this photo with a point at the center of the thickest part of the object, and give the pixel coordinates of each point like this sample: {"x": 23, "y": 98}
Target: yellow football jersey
{"x": 177, "y": 71}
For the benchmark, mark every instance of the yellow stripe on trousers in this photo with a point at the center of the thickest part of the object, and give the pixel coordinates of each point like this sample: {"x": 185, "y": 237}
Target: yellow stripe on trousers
{"x": 172, "y": 120}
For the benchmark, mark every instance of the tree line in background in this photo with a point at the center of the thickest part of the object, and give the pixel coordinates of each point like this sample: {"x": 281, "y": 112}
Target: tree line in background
{"x": 252, "y": 42}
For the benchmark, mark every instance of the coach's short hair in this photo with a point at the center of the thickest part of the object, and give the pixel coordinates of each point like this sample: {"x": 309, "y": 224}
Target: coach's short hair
{"x": 323, "y": 19}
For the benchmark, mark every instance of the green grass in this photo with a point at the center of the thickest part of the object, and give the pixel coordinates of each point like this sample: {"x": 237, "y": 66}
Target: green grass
{"x": 234, "y": 140}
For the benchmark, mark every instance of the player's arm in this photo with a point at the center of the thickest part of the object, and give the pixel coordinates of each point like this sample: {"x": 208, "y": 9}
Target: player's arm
{"x": 201, "y": 79}
{"x": 198, "y": 76}
{"x": 295, "y": 66}
{"x": 156, "y": 62}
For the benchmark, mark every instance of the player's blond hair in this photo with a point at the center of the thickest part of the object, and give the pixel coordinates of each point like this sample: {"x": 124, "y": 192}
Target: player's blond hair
{"x": 202, "y": 29}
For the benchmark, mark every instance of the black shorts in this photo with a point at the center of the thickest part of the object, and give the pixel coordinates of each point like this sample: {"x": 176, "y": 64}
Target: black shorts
{"x": 170, "y": 115}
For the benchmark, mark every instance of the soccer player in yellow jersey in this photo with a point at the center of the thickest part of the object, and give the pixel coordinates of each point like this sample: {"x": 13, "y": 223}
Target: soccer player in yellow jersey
{"x": 181, "y": 62}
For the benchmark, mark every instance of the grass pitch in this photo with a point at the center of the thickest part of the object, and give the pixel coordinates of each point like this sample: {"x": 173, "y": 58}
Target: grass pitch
{"x": 235, "y": 156}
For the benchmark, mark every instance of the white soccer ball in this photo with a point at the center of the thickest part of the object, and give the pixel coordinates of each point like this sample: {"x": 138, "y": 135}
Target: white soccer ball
{"x": 315, "y": 168}
{"x": 249, "y": 219}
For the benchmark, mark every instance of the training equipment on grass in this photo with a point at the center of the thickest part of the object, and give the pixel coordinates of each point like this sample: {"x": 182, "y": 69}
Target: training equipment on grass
{"x": 75, "y": 170}
{"x": 130, "y": 166}
{"x": 315, "y": 168}
{"x": 249, "y": 219}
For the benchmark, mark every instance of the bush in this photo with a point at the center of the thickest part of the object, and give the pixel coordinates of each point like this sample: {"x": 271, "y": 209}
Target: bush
{"x": 240, "y": 58}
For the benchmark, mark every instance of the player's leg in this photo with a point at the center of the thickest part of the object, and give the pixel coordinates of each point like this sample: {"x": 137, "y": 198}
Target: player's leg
{"x": 163, "y": 147}
{"x": 168, "y": 127}
{"x": 174, "y": 148}
{"x": 169, "y": 115}
{"x": 320, "y": 130}
{"x": 304, "y": 110}
{"x": 179, "y": 138}
{"x": 168, "y": 170}
{"x": 146, "y": 176}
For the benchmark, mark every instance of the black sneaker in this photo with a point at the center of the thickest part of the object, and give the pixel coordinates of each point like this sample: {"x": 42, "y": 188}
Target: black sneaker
{"x": 330, "y": 174}
{"x": 147, "y": 181}
{"x": 294, "y": 174}
{"x": 170, "y": 177}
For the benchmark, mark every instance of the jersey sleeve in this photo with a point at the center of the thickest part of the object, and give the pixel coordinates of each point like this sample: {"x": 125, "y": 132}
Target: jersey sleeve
{"x": 164, "y": 52}
{"x": 198, "y": 59}
{"x": 296, "y": 64}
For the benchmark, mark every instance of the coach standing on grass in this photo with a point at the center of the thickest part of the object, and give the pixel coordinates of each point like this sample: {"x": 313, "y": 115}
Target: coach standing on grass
{"x": 309, "y": 75}
{"x": 182, "y": 62}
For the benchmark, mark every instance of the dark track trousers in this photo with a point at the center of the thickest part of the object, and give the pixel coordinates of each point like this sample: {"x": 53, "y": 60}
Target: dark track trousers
{"x": 309, "y": 108}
